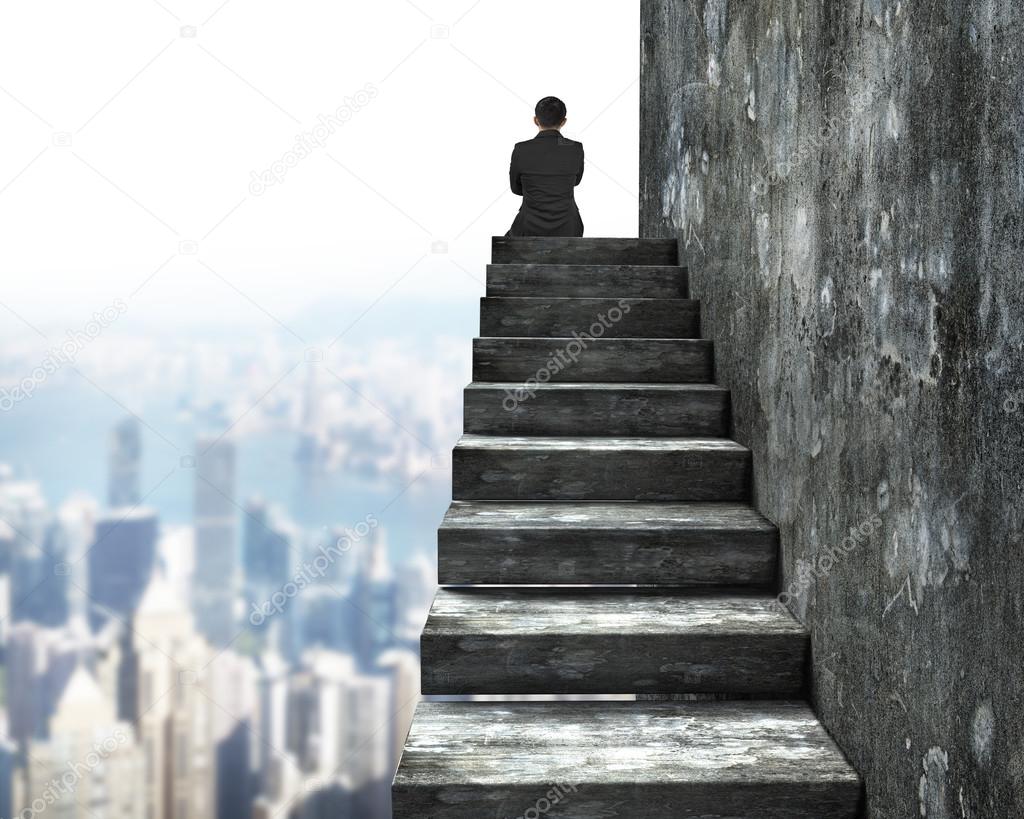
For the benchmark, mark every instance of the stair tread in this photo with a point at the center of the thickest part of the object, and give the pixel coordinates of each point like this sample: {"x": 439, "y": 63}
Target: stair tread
{"x": 612, "y": 515}
{"x": 602, "y": 386}
{"x": 597, "y": 300}
{"x": 610, "y": 342}
{"x": 589, "y": 266}
{"x": 606, "y": 360}
{"x": 610, "y": 409}
{"x": 534, "y": 744}
{"x": 588, "y": 281}
{"x": 503, "y": 612}
{"x": 588, "y": 444}
{"x": 584, "y": 250}
{"x": 671, "y": 544}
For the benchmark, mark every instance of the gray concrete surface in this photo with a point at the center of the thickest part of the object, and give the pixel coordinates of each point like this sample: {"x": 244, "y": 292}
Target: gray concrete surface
{"x": 846, "y": 179}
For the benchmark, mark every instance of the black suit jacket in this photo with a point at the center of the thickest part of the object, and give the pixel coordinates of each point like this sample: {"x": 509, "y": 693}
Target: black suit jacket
{"x": 544, "y": 171}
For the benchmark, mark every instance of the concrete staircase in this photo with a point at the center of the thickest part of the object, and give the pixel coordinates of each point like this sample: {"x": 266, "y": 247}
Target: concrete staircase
{"x": 601, "y": 541}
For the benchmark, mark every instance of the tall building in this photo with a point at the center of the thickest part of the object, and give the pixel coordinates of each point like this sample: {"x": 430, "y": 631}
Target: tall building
{"x": 366, "y": 743}
{"x": 41, "y": 580}
{"x": 231, "y": 684}
{"x": 268, "y": 539}
{"x": 216, "y": 580}
{"x": 39, "y": 663}
{"x": 8, "y": 543}
{"x": 416, "y": 582}
{"x": 121, "y": 562}
{"x": 89, "y": 765}
{"x": 23, "y": 508}
{"x": 176, "y": 557}
{"x": 271, "y": 717}
{"x": 75, "y": 531}
{"x": 8, "y": 766}
{"x": 125, "y": 464}
{"x": 402, "y": 668}
{"x": 163, "y": 682}
{"x": 26, "y": 661}
{"x": 374, "y": 596}
{"x": 326, "y": 619}
{"x": 338, "y": 718}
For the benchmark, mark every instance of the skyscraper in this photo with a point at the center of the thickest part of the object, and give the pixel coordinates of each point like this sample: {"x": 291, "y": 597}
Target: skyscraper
{"x": 374, "y": 596}
{"x": 8, "y": 543}
{"x": 416, "y": 581}
{"x": 8, "y": 765}
{"x": 271, "y": 716}
{"x": 89, "y": 766}
{"x": 164, "y": 684}
{"x": 26, "y": 661}
{"x": 230, "y": 682}
{"x": 215, "y": 585}
{"x": 23, "y": 508}
{"x": 121, "y": 562}
{"x": 402, "y": 667}
{"x": 125, "y": 463}
{"x": 75, "y": 531}
{"x": 267, "y": 542}
{"x": 39, "y": 663}
{"x": 341, "y": 716}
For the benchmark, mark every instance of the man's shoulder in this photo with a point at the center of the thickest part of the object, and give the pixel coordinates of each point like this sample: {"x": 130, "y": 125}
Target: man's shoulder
{"x": 561, "y": 141}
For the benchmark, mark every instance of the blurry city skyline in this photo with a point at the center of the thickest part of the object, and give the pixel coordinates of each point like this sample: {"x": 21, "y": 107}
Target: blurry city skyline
{"x": 163, "y": 300}
{"x": 280, "y": 613}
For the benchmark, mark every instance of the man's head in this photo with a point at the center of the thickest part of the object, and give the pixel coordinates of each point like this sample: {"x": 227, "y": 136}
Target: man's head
{"x": 549, "y": 113}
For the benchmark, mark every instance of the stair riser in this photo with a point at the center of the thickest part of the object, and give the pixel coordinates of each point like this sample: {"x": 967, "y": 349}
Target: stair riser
{"x": 596, "y": 360}
{"x": 584, "y": 251}
{"x": 623, "y": 413}
{"x": 710, "y": 800}
{"x": 523, "y": 474}
{"x": 602, "y": 556}
{"x": 591, "y": 281}
{"x": 602, "y": 318}
{"x": 766, "y": 665}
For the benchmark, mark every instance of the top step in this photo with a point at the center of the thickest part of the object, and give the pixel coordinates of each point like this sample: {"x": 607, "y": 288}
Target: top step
{"x": 543, "y": 250}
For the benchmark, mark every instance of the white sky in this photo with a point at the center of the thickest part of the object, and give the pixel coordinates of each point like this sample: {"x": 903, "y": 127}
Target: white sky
{"x": 165, "y": 131}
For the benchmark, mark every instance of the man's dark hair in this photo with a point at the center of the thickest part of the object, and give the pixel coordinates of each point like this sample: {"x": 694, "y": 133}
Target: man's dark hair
{"x": 550, "y": 112}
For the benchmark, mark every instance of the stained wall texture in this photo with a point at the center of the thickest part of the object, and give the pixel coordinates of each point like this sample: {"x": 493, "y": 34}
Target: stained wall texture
{"x": 847, "y": 177}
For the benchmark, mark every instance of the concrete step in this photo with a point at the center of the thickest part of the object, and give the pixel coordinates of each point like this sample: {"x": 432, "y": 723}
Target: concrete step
{"x": 506, "y": 249}
{"x": 582, "y": 760}
{"x": 758, "y": 760}
{"x": 640, "y": 469}
{"x": 546, "y": 641}
{"x": 667, "y": 544}
{"x": 605, "y": 360}
{"x": 590, "y": 281}
{"x": 547, "y": 317}
{"x": 654, "y": 410}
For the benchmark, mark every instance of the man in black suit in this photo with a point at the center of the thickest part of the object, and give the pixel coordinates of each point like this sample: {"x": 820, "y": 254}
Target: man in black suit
{"x": 544, "y": 172}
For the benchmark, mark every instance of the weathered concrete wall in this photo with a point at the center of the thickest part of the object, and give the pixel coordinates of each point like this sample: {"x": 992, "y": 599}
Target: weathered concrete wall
{"x": 848, "y": 177}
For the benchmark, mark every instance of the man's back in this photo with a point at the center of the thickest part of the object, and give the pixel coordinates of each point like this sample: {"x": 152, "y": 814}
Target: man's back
{"x": 544, "y": 171}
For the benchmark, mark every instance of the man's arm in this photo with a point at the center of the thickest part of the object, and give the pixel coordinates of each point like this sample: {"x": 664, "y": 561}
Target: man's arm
{"x": 515, "y": 175}
{"x": 579, "y": 175}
